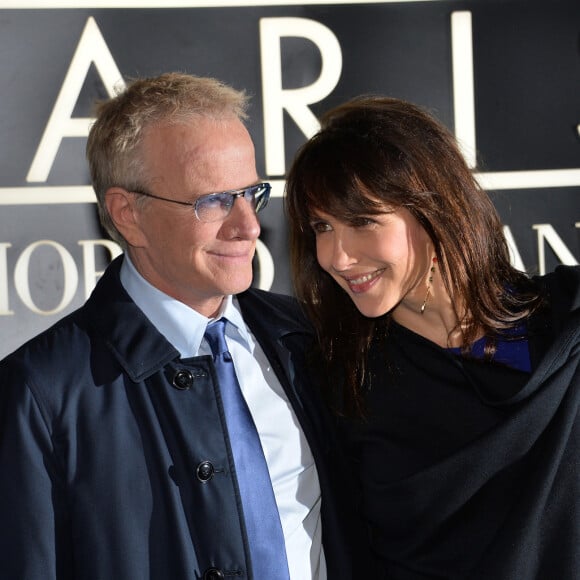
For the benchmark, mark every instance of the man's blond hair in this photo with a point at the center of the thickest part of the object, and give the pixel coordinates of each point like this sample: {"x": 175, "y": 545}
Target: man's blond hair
{"x": 113, "y": 147}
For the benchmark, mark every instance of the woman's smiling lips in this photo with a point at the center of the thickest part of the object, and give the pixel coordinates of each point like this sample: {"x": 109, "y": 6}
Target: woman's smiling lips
{"x": 363, "y": 282}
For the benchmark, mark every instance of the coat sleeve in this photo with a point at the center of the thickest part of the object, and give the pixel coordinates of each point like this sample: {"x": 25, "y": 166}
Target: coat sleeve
{"x": 29, "y": 512}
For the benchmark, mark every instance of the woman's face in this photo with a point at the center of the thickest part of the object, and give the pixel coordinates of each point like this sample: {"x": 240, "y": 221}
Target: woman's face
{"x": 381, "y": 261}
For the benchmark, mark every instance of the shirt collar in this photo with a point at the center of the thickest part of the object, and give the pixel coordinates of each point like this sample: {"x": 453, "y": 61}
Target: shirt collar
{"x": 181, "y": 325}
{"x": 237, "y": 329}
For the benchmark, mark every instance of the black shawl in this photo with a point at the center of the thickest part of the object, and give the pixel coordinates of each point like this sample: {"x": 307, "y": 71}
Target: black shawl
{"x": 471, "y": 470}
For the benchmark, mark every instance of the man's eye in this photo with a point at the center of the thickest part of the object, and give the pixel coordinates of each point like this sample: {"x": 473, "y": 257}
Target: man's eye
{"x": 213, "y": 200}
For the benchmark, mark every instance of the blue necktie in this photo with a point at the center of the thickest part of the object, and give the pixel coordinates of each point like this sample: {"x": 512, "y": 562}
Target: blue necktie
{"x": 266, "y": 540}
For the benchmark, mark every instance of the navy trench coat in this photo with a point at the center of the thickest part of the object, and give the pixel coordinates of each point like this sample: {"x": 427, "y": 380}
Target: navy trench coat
{"x": 115, "y": 459}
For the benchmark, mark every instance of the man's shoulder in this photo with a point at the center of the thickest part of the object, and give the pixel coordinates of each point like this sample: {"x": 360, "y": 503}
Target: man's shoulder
{"x": 269, "y": 298}
{"x": 64, "y": 349}
{"x": 273, "y": 313}
{"x": 56, "y": 347}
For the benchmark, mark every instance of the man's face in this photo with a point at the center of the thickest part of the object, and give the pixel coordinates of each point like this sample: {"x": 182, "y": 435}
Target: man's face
{"x": 197, "y": 263}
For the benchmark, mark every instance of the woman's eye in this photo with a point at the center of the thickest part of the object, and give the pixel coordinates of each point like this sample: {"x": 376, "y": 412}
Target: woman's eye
{"x": 320, "y": 227}
{"x": 361, "y": 222}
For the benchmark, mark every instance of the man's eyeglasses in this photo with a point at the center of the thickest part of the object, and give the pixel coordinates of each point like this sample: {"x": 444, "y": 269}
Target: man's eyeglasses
{"x": 214, "y": 207}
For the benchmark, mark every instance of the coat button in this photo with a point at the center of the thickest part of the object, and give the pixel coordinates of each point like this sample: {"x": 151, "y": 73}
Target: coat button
{"x": 205, "y": 471}
{"x": 182, "y": 380}
{"x": 213, "y": 574}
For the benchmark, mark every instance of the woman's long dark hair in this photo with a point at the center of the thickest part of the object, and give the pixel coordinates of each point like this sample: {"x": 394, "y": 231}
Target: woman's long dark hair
{"x": 405, "y": 158}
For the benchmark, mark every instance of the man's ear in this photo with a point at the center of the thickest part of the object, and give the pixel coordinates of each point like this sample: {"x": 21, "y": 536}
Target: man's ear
{"x": 125, "y": 215}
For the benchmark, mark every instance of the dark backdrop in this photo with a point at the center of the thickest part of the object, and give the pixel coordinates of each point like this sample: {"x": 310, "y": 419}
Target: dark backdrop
{"x": 522, "y": 118}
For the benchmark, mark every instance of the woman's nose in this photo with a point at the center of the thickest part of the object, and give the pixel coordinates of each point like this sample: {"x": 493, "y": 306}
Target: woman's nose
{"x": 338, "y": 251}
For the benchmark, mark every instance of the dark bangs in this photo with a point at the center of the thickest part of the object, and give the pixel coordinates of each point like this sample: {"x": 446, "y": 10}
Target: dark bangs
{"x": 344, "y": 174}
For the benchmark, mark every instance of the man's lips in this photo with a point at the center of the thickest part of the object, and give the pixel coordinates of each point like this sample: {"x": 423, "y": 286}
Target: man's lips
{"x": 245, "y": 254}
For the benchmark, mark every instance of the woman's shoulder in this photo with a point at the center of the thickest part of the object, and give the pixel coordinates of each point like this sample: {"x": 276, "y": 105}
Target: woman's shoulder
{"x": 562, "y": 288}
{"x": 559, "y": 316}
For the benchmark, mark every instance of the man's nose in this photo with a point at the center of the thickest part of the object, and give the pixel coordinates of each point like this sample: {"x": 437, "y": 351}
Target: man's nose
{"x": 243, "y": 218}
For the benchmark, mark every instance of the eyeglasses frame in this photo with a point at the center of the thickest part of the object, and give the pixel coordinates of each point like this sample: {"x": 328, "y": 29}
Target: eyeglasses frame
{"x": 234, "y": 193}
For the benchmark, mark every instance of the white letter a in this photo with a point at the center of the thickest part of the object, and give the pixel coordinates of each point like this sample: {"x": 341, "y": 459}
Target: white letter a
{"x": 91, "y": 48}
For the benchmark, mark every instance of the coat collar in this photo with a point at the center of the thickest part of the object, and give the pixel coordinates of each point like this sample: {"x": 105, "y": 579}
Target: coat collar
{"x": 138, "y": 346}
